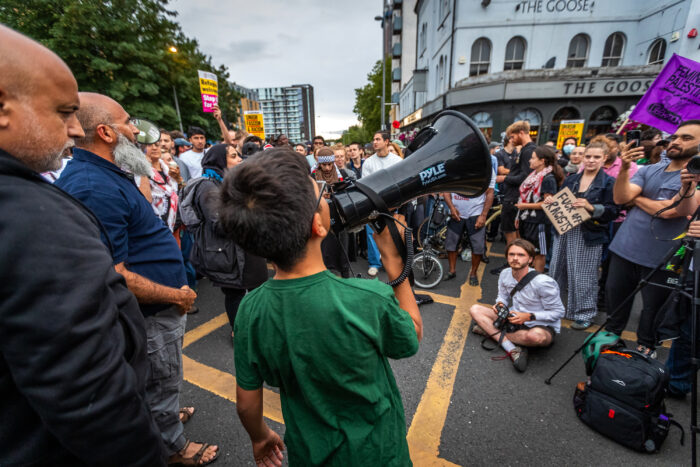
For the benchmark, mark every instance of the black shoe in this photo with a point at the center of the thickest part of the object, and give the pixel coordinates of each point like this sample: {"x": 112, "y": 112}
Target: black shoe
{"x": 674, "y": 393}
{"x": 519, "y": 357}
{"x": 422, "y": 299}
{"x": 497, "y": 271}
{"x": 473, "y": 281}
{"x": 485, "y": 259}
{"x": 450, "y": 275}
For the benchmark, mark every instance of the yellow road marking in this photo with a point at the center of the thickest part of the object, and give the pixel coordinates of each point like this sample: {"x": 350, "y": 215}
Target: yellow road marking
{"x": 426, "y": 427}
{"x": 204, "y": 329}
{"x": 224, "y": 385}
{"x": 444, "y": 299}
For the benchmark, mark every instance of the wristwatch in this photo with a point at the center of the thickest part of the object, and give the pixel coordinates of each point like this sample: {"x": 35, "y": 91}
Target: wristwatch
{"x": 532, "y": 317}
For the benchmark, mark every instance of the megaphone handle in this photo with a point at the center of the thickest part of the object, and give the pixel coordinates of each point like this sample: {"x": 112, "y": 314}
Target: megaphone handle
{"x": 379, "y": 223}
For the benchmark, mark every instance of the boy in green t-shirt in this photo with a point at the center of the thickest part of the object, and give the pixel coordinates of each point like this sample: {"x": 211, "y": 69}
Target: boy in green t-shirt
{"x": 323, "y": 340}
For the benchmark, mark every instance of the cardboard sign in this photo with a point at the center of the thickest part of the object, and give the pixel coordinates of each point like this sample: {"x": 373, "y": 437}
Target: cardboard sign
{"x": 570, "y": 129}
{"x": 563, "y": 214}
{"x": 673, "y": 97}
{"x": 254, "y": 123}
{"x": 209, "y": 88}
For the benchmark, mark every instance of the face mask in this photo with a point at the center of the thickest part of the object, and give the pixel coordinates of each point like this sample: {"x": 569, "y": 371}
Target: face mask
{"x": 567, "y": 149}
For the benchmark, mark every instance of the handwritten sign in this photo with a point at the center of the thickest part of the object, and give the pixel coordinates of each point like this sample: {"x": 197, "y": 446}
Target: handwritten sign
{"x": 209, "y": 88}
{"x": 563, "y": 214}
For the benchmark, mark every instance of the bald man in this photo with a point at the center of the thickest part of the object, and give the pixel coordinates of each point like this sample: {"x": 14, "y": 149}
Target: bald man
{"x": 72, "y": 343}
{"x": 144, "y": 251}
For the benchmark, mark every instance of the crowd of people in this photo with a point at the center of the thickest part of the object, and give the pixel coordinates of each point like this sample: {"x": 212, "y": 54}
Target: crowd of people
{"x": 115, "y": 234}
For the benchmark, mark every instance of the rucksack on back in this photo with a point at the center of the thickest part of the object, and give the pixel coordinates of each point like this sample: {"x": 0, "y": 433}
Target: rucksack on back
{"x": 189, "y": 214}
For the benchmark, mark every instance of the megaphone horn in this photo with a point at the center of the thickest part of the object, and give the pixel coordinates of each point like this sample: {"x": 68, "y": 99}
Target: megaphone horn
{"x": 451, "y": 155}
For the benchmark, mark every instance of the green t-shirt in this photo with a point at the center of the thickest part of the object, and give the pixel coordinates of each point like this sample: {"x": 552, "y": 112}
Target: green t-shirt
{"x": 324, "y": 341}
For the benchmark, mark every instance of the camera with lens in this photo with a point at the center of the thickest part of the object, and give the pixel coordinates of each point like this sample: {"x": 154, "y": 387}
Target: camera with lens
{"x": 501, "y": 323}
{"x": 694, "y": 165}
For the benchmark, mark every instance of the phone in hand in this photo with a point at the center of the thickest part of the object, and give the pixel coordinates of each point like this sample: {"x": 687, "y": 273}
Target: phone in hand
{"x": 633, "y": 137}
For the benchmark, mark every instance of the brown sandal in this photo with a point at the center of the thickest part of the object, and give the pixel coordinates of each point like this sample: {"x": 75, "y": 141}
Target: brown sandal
{"x": 194, "y": 460}
{"x": 186, "y": 414}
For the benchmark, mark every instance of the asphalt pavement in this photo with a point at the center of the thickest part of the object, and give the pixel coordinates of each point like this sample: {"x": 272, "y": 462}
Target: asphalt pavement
{"x": 462, "y": 407}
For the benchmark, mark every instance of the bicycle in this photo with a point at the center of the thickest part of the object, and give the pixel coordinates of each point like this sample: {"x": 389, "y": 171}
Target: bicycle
{"x": 427, "y": 269}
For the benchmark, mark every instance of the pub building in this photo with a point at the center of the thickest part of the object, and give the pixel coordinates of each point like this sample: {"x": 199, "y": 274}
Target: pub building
{"x": 538, "y": 60}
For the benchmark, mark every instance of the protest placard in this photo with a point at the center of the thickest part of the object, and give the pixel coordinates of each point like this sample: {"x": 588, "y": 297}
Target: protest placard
{"x": 254, "y": 123}
{"x": 673, "y": 97}
{"x": 209, "y": 88}
{"x": 563, "y": 214}
{"x": 570, "y": 129}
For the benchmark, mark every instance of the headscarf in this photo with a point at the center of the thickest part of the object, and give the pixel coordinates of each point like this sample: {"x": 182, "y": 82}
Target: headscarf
{"x": 333, "y": 176}
{"x": 215, "y": 160}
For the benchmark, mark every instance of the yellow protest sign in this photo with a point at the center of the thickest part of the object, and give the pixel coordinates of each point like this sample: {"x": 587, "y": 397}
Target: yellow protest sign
{"x": 570, "y": 129}
{"x": 254, "y": 123}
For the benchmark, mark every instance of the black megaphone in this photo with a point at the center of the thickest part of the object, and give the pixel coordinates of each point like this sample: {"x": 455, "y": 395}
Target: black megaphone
{"x": 451, "y": 155}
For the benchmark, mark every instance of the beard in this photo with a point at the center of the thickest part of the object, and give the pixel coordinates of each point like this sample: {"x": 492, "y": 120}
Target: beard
{"x": 681, "y": 154}
{"x": 128, "y": 157}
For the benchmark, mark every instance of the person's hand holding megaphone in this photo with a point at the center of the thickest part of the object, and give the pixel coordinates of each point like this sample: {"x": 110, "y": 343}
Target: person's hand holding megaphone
{"x": 694, "y": 229}
{"x": 393, "y": 265}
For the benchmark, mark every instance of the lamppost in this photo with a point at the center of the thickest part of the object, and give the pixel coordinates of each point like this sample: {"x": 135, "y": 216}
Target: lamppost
{"x": 173, "y": 50}
{"x": 385, "y": 16}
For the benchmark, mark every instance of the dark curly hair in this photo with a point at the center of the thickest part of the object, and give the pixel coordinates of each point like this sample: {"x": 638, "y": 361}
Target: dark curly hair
{"x": 267, "y": 206}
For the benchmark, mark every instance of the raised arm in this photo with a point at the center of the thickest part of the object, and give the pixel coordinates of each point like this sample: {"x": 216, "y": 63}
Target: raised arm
{"x": 222, "y": 125}
{"x": 624, "y": 191}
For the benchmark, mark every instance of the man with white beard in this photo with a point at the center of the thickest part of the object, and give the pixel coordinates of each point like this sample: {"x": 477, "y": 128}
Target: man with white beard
{"x": 143, "y": 251}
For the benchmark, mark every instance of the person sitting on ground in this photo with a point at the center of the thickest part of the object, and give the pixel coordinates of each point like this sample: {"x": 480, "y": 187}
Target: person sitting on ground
{"x": 323, "y": 340}
{"x": 576, "y": 254}
{"x": 532, "y": 222}
{"x": 536, "y": 310}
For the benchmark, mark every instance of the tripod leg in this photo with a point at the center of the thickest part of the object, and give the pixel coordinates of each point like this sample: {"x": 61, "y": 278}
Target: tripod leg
{"x": 639, "y": 287}
{"x": 694, "y": 352}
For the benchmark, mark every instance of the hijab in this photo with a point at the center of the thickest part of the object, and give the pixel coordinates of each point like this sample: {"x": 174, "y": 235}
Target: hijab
{"x": 215, "y": 159}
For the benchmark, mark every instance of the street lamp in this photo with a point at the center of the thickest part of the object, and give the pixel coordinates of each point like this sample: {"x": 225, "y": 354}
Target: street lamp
{"x": 173, "y": 50}
{"x": 381, "y": 107}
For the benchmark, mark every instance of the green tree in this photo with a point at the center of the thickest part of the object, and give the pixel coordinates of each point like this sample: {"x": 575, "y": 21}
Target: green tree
{"x": 357, "y": 133}
{"x": 368, "y": 106}
{"x": 120, "y": 48}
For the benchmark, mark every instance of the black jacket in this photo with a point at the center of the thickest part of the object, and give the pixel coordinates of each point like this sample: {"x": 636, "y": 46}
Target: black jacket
{"x": 214, "y": 254}
{"x": 72, "y": 339}
{"x": 518, "y": 173}
{"x": 596, "y": 230}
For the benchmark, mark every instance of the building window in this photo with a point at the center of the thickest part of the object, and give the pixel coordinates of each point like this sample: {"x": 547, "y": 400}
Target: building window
{"x": 441, "y": 74}
{"x": 484, "y": 122}
{"x": 565, "y": 113}
{"x": 601, "y": 121}
{"x": 481, "y": 57}
{"x": 444, "y": 9}
{"x": 612, "y": 52}
{"x": 422, "y": 38}
{"x": 657, "y": 51}
{"x": 515, "y": 54}
{"x": 532, "y": 116}
{"x": 578, "y": 51}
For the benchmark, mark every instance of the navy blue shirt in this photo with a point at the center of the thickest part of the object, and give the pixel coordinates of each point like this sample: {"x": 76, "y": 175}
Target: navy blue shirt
{"x": 139, "y": 238}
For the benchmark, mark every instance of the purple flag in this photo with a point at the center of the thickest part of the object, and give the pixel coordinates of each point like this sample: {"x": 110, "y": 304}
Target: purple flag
{"x": 673, "y": 97}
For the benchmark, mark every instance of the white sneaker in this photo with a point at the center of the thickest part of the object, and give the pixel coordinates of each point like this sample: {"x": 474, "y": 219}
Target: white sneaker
{"x": 372, "y": 271}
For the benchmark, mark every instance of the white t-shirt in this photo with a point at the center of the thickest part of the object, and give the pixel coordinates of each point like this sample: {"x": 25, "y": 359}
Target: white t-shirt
{"x": 470, "y": 207}
{"x": 193, "y": 161}
{"x": 374, "y": 163}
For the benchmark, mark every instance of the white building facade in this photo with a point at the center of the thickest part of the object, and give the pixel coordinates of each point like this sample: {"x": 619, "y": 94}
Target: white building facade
{"x": 499, "y": 61}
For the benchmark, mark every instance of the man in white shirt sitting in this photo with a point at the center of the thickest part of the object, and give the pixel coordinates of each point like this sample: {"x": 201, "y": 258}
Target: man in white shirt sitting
{"x": 536, "y": 311}
{"x": 193, "y": 157}
{"x": 381, "y": 159}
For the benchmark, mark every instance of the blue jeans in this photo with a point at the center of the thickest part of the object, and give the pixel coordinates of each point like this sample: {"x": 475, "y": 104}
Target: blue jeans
{"x": 678, "y": 362}
{"x": 373, "y": 257}
{"x": 186, "y": 243}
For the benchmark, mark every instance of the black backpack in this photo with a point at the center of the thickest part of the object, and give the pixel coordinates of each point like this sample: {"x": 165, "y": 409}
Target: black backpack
{"x": 624, "y": 400}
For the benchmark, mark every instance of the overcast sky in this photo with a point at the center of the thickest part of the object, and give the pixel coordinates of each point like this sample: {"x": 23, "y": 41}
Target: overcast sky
{"x": 330, "y": 44}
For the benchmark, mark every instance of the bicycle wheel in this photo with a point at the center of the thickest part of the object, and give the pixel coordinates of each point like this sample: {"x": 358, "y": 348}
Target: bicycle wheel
{"x": 427, "y": 270}
{"x": 423, "y": 231}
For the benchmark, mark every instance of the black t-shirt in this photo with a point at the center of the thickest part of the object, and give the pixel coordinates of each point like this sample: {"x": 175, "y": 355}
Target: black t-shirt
{"x": 518, "y": 173}
{"x": 506, "y": 159}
